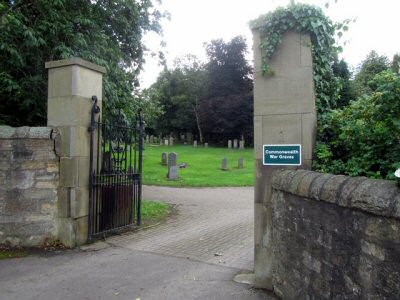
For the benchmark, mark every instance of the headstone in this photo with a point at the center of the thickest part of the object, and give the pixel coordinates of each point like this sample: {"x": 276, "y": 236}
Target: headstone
{"x": 206, "y": 145}
{"x": 171, "y": 141}
{"x": 182, "y": 137}
{"x": 229, "y": 144}
{"x": 241, "y": 144}
{"x": 173, "y": 173}
{"x": 147, "y": 138}
{"x": 195, "y": 144}
{"x": 166, "y": 142}
{"x": 224, "y": 165}
{"x": 235, "y": 143}
{"x": 151, "y": 139}
{"x": 161, "y": 141}
{"x": 164, "y": 159}
{"x": 172, "y": 159}
{"x": 240, "y": 163}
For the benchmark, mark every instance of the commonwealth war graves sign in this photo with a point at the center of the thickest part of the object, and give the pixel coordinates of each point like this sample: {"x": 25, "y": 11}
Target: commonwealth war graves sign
{"x": 282, "y": 155}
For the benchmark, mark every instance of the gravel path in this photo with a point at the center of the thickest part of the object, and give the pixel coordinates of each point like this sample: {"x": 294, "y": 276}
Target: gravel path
{"x": 213, "y": 225}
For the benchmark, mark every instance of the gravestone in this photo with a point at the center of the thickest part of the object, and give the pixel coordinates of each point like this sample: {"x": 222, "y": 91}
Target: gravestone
{"x": 151, "y": 139}
{"x": 173, "y": 173}
{"x": 171, "y": 141}
{"x": 224, "y": 165}
{"x": 241, "y": 144}
{"x": 161, "y": 141}
{"x": 235, "y": 143}
{"x": 240, "y": 163}
{"x": 166, "y": 142}
{"x": 206, "y": 145}
{"x": 147, "y": 138}
{"x": 195, "y": 144}
{"x": 172, "y": 159}
{"x": 229, "y": 144}
{"x": 164, "y": 159}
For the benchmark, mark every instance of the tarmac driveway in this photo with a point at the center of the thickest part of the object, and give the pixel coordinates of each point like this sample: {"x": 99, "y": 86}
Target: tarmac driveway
{"x": 194, "y": 255}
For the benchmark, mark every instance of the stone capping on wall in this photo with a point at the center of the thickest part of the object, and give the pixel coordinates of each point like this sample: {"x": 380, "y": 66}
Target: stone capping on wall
{"x": 375, "y": 196}
{"x": 26, "y": 132}
{"x": 75, "y": 61}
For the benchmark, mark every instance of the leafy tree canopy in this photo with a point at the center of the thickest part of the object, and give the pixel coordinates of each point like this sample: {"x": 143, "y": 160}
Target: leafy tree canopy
{"x": 108, "y": 33}
{"x": 371, "y": 66}
{"x": 226, "y": 111}
{"x": 178, "y": 90}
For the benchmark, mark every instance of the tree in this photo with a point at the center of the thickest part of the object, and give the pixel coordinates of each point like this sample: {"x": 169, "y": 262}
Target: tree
{"x": 104, "y": 32}
{"x": 371, "y": 66}
{"x": 178, "y": 90}
{"x": 226, "y": 111}
{"x": 346, "y": 94}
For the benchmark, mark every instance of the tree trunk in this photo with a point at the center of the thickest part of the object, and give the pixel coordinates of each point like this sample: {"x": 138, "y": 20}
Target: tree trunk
{"x": 198, "y": 124}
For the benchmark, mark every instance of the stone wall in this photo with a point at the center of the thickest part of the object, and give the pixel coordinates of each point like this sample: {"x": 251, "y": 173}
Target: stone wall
{"x": 29, "y": 175}
{"x": 335, "y": 237}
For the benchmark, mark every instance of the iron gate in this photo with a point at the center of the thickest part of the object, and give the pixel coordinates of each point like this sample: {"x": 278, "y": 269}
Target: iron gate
{"x": 115, "y": 174}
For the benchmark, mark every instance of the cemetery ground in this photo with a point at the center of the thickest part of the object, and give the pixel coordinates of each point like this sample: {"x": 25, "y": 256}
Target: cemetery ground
{"x": 203, "y": 166}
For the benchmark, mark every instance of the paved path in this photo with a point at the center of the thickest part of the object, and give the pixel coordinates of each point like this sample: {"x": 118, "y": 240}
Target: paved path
{"x": 213, "y": 225}
{"x": 209, "y": 221}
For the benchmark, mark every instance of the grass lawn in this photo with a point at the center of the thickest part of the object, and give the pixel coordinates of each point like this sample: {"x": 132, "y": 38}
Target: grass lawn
{"x": 204, "y": 166}
{"x": 154, "y": 211}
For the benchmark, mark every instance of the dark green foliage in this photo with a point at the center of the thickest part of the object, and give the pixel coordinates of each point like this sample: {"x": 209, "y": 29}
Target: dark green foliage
{"x": 346, "y": 94}
{"x": 226, "y": 111}
{"x": 178, "y": 91}
{"x": 107, "y": 33}
{"x": 364, "y": 137}
{"x": 371, "y": 66}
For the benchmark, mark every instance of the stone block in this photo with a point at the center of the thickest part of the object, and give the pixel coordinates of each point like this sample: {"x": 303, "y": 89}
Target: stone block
{"x": 172, "y": 159}
{"x": 164, "y": 158}
{"x": 331, "y": 188}
{"x": 70, "y": 111}
{"x": 281, "y": 129}
{"x": 81, "y": 226}
{"x": 309, "y": 133}
{"x": 257, "y": 51}
{"x": 283, "y": 95}
{"x": 305, "y": 51}
{"x": 79, "y": 198}
{"x": 66, "y": 232}
{"x": 69, "y": 170}
{"x": 64, "y": 202}
{"x": 173, "y": 173}
{"x": 22, "y": 179}
{"x": 240, "y": 163}
{"x": 224, "y": 164}
{"x": 303, "y": 189}
{"x": 195, "y": 144}
{"x": 317, "y": 186}
{"x": 258, "y": 140}
{"x": 83, "y": 172}
{"x": 75, "y": 78}
{"x": 288, "y": 52}
{"x": 75, "y": 141}
{"x": 229, "y": 144}
{"x": 235, "y": 143}
{"x": 375, "y": 196}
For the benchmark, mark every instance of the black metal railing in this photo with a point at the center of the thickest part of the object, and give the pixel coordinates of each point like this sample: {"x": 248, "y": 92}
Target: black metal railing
{"x": 115, "y": 174}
